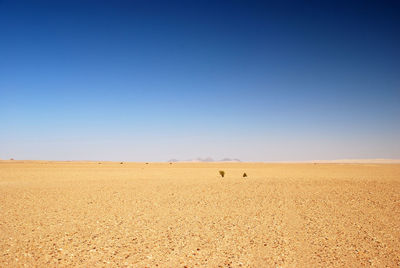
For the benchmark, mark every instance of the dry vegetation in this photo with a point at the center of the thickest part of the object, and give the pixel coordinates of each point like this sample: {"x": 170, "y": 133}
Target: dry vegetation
{"x": 136, "y": 214}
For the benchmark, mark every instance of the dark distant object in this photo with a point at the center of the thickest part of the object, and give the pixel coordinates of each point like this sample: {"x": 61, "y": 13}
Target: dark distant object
{"x": 170, "y": 163}
{"x": 222, "y": 173}
{"x": 11, "y": 158}
{"x": 244, "y": 175}
{"x": 99, "y": 163}
{"x": 121, "y": 163}
{"x": 147, "y": 163}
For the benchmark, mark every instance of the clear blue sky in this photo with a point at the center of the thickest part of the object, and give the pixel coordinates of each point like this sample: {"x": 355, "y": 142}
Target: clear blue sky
{"x": 150, "y": 81}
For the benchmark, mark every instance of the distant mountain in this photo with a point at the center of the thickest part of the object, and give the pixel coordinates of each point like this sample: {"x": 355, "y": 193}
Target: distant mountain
{"x": 230, "y": 160}
{"x": 206, "y": 159}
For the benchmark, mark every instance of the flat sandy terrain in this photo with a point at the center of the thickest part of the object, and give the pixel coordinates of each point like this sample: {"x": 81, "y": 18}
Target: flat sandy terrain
{"x": 184, "y": 214}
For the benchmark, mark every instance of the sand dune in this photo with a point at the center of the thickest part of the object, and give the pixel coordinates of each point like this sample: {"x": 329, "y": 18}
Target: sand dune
{"x": 184, "y": 214}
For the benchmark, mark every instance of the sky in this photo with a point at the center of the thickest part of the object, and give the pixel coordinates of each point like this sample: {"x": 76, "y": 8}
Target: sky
{"x": 155, "y": 80}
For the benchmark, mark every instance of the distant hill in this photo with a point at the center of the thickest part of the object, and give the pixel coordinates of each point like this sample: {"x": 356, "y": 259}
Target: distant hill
{"x": 360, "y": 161}
{"x": 206, "y": 159}
{"x": 230, "y": 160}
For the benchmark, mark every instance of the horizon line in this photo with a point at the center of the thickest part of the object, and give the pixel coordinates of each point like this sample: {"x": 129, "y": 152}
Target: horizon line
{"x": 335, "y": 161}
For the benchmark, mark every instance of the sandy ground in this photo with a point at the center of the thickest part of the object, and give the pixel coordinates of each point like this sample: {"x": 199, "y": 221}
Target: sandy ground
{"x": 183, "y": 214}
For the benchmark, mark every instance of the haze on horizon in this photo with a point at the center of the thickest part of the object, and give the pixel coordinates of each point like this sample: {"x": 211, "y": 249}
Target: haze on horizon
{"x": 159, "y": 80}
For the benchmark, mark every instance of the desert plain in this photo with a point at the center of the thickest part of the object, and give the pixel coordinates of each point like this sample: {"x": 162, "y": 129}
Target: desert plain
{"x": 108, "y": 214}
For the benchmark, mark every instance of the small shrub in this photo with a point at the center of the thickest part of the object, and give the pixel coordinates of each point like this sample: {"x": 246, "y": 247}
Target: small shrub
{"x": 244, "y": 175}
{"x": 121, "y": 163}
{"x": 222, "y": 173}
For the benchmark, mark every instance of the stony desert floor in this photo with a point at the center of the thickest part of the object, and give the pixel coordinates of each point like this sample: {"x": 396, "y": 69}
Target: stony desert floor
{"x": 184, "y": 214}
